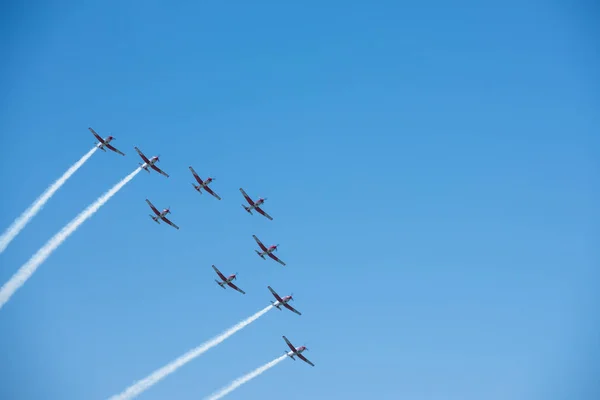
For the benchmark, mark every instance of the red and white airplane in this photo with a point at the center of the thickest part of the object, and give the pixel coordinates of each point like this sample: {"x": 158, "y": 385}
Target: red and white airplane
{"x": 267, "y": 252}
{"x": 227, "y": 281}
{"x": 105, "y": 142}
{"x": 150, "y": 163}
{"x": 283, "y": 301}
{"x": 297, "y": 351}
{"x": 160, "y": 215}
{"x": 203, "y": 184}
{"x": 254, "y": 205}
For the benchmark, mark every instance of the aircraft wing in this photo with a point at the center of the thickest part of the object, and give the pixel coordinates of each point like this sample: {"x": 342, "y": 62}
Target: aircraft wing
{"x": 219, "y": 273}
{"x": 160, "y": 171}
{"x": 274, "y": 257}
{"x": 152, "y": 207}
{"x": 169, "y": 222}
{"x": 279, "y": 299}
{"x": 248, "y": 199}
{"x": 114, "y": 149}
{"x": 300, "y": 356}
{"x": 262, "y": 246}
{"x": 209, "y": 190}
{"x": 289, "y": 344}
{"x": 142, "y": 155}
{"x": 235, "y": 287}
{"x": 286, "y": 305}
{"x": 196, "y": 176}
{"x": 260, "y": 211}
{"x": 97, "y": 136}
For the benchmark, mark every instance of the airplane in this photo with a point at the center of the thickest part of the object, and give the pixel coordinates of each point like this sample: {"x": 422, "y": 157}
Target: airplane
{"x": 283, "y": 302}
{"x": 203, "y": 184}
{"x": 254, "y": 205}
{"x": 267, "y": 252}
{"x": 297, "y": 352}
{"x": 150, "y": 163}
{"x": 105, "y": 142}
{"x": 160, "y": 215}
{"x": 227, "y": 281}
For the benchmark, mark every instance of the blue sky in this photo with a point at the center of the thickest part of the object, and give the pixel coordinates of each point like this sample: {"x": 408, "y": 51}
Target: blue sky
{"x": 431, "y": 169}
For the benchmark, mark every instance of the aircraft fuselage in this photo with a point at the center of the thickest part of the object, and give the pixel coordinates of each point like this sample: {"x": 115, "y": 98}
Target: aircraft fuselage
{"x": 299, "y": 350}
{"x": 258, "y": 203}
{"x": 160, "y": 216}
{"x": 107, "y": 140}
{"x": 269, "y": 251}
{"x": 278, "y": 303}
{"x": 151, "y": 163}
{"x": 101, "y": 145}
{"x": 226, "y": 281}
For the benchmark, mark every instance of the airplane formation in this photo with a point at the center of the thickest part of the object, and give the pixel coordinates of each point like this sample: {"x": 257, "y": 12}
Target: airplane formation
{"x": 252, "y": 206}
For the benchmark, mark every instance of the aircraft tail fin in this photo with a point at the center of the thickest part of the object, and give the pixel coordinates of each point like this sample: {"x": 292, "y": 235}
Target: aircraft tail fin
{"x": 196, "y": 187}
{"x": 220, "y": 284}
{"x": 260, "y": 255}
{"x": 247, "y": 209}
{"x": 154, "y": 218}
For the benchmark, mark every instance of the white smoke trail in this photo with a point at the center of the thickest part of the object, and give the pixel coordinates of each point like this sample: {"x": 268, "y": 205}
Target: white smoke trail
{"x": 144, "y": 384}
{"x": 240, "y": 381}
{"x": 19, "y": 223}
{"x": 21, "y": 276}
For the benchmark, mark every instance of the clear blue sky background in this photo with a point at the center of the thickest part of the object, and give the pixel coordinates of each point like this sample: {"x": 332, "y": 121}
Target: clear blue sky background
{"x": 431, "y": 169}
